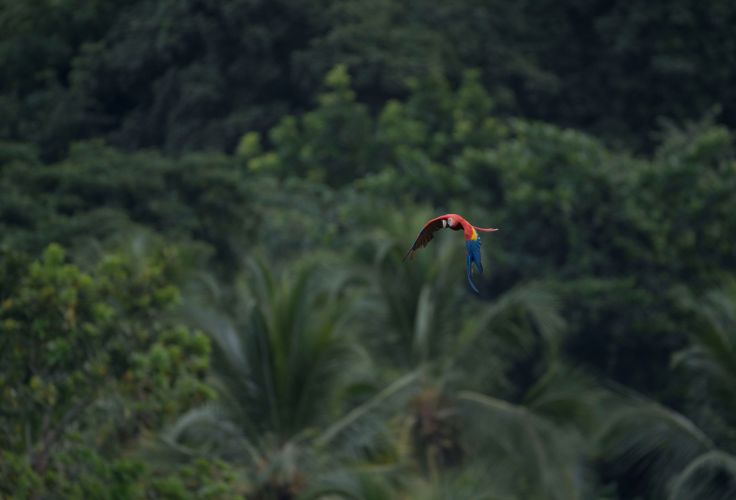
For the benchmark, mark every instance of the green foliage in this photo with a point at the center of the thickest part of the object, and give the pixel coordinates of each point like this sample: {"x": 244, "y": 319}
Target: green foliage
{"x": 282, "y": 360}
{"x": 88, "y": 365}
{"x": 97, "y": 190}
{"x": 659, "y": 449}
{"x": 219, "y": 326}
{"x": 186, "y": 76}
{"x": 711, "y": 355}
{"x": 327, "y": 144}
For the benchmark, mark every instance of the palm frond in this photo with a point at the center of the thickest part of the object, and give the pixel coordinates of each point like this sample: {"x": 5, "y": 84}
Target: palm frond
{"x": 362, "y": 482}
{"x": 570, "y": 398}
{"x": 476, "y": 482}
{"x": 207, "y": 431}
{"x": 402, "y": 384}
{"x": 534, "y": 302}
{"x": 422, "y": 301}
{"x": 646, "y": 439}
{"x": 716, "y": 340}
{"x": 711, "y": 476}
{"x": 532, "y": 456}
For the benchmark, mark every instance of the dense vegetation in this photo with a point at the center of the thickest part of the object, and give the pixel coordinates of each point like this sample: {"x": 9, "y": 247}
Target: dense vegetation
{"x": 203, "y": 213}
{"x": 194, "y": 74}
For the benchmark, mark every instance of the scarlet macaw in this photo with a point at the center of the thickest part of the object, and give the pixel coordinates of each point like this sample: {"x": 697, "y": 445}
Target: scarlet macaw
{"x": 456, "y": 223}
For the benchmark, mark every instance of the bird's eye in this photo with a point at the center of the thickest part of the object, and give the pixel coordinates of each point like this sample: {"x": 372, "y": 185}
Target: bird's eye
{"x": 449, "y": 221}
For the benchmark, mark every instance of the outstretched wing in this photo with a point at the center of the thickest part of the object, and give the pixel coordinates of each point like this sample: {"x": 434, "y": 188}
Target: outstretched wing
{"x": 426, "y": 234}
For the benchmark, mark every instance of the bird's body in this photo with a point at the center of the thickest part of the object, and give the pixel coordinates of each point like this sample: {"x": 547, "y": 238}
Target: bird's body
{"x": 456, "y": 223}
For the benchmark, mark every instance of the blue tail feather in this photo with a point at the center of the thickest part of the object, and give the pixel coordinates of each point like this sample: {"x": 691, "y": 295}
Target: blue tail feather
{"x": 473, "y": 257}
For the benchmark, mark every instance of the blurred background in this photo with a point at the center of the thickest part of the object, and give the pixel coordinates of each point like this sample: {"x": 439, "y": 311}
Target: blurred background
{"x": 203, "y": 210}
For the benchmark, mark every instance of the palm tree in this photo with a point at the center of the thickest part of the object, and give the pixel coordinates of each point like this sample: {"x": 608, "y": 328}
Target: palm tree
{"x": 538, "y": 447}
{"x": 431, "y": 325}
{"x": 284, "y": 364}
{"x": 711, "y": 355}
{"x": 651, "y": 449}
{"x": 428, "y": 317}
{"x": 710, "y": 476}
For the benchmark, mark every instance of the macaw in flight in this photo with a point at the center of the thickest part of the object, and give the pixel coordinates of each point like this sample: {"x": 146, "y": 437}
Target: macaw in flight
{"x": 456, "y": 223}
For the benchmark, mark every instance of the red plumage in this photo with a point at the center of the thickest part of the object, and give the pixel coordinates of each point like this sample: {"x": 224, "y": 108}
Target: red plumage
{"x": 456, "y": 223}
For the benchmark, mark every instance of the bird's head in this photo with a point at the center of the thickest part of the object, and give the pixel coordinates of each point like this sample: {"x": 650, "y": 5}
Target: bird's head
{"x": 449, "y": 222}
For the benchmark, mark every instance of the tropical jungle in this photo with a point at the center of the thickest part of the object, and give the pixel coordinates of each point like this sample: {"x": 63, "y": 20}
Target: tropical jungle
{"x": 204, "y": 210}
